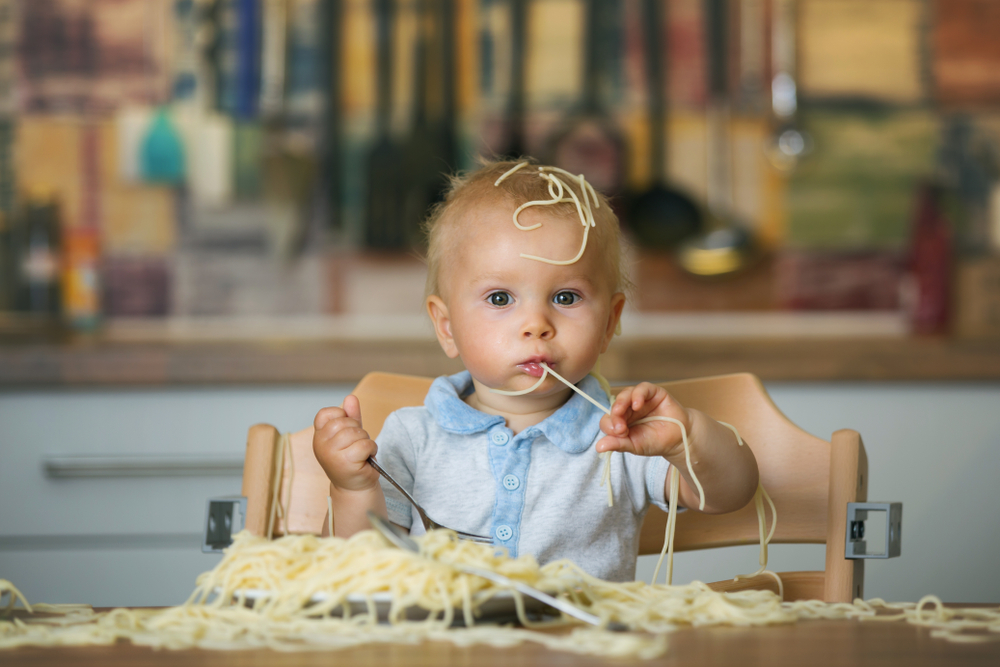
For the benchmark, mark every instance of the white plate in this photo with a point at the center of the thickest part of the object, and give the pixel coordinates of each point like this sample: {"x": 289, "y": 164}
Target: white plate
{"x": 499, "y": 608}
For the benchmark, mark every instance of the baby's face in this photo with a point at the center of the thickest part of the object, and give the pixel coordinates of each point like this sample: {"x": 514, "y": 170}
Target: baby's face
{"x": 506, "y": 314}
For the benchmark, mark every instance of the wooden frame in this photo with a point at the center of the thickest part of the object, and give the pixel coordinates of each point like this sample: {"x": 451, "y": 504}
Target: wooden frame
{"x": 810, "y": 480}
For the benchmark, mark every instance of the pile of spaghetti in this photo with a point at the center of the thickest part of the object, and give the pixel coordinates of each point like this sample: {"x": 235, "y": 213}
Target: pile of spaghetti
{"x": 292, "y": 594}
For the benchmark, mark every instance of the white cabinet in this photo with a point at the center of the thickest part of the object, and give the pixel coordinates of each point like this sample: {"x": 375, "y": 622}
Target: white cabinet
{"x": 127, "y": 537}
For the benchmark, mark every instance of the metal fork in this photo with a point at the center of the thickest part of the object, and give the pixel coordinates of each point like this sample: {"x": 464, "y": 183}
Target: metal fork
{"x": 429, "y": 523}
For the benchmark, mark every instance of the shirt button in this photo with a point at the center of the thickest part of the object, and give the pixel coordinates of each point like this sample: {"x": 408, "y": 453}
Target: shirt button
{"x": 510, "y": 482}
{"x": 499, "y": 438}
{"x": 504, "y": 533}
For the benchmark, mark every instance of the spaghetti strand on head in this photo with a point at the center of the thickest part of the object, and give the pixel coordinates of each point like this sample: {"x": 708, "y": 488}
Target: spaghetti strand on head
{"x": 558, "y": 188}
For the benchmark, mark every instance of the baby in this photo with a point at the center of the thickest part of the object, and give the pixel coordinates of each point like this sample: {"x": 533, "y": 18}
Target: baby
{"x": 524, "y": 275}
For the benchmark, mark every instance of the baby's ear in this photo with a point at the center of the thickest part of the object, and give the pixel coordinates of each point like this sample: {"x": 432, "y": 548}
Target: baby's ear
{"x": 614, "y": 320}
{"x": 438, "y": 311}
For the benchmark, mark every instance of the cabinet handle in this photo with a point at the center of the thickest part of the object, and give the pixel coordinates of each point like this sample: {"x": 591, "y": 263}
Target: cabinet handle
{"x": 72, "y": 467}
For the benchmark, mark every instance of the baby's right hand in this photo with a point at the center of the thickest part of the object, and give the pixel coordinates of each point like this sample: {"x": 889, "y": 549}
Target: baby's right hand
{"x": 342, "y": 447}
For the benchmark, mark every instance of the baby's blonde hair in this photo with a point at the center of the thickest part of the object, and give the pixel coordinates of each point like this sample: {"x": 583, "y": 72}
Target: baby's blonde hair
{"x": 478, "y": 188}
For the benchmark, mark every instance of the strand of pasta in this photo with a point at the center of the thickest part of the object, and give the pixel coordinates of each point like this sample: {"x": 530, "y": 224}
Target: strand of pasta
{"x": 10, "y": 589}
{"x": 276, "y": 487}
{"x": 760, "y": 495}
{"x": 522, "y": 392}
{"x": 668, "y": 538}
{"x": 758, "y": 498}
{"x": 558, "y": 188}
{"x": 607, "y": 411}
{"x": 515, "y": 168}
{"x": 279, "y": 509}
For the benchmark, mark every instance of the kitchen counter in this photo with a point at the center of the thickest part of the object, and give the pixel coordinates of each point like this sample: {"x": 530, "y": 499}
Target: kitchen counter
{"x": 774, "y": 346}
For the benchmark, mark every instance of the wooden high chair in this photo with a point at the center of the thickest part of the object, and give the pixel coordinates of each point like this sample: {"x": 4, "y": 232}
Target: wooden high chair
{"x": 810, "y": 480}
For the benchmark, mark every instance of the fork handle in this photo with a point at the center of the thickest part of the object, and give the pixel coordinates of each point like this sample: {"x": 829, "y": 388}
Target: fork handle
{"x": 567, "y": 608}
{"x": 429, "y": 524}
{"x": 387, "y": 476}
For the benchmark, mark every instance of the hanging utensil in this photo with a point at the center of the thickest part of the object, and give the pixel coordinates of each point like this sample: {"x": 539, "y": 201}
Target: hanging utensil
{"x": 331, "y": 21}
{"x": 725, "y": 238}
{"x": 383, "y": 213}
{"x": 752, "y": 55}
{"x": 720, "y": 186}
{"x": 428, "y": 154}
{"x": 447, "y": 133}
{"x": 588, "y": 142}
{"x": 273, "y": 48}
{"x": 788, "y": 142}
{"x": 660, "y": 215}
{"x": 516, "y": 146}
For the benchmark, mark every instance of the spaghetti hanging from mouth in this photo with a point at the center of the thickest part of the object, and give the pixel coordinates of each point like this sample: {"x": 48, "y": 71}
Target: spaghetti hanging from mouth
{"x": 522, "y": 392}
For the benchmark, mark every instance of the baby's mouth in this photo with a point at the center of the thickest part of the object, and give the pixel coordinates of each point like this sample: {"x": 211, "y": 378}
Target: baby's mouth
{"x": 534, "y": 368}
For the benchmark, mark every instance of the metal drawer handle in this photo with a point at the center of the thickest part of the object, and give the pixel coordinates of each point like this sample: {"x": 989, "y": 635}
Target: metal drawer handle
{"x": 74, "y": 467}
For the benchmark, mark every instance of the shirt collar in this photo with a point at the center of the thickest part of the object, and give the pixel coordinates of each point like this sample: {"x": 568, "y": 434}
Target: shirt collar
{"x": 572, "y": 428}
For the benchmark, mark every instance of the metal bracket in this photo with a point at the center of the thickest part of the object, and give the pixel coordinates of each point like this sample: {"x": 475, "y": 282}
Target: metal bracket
{"x": 858, "y": 514}
{"x": 224, "y": 518}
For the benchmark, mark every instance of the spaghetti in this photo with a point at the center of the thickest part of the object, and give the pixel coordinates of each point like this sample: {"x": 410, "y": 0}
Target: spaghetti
{"x": 303, "y": 583}
{"x": 560, "y": 192}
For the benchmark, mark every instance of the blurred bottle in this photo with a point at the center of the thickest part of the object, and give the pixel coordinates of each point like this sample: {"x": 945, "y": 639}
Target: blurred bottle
{"x": 80, "y": 283}
{"x": 37, "y": 246}
{"x": 162, "y": 154}
{"x": 930, "y": 263}
{"x": 81, "y": 241}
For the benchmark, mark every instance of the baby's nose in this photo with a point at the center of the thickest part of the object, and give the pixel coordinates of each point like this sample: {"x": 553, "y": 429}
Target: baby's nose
{"x": 538, "y": 327}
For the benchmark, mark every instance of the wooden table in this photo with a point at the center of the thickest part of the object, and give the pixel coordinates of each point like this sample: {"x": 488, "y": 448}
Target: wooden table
{"x": 812, "y": 643}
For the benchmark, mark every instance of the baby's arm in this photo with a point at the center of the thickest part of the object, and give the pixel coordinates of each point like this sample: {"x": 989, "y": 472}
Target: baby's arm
{"x": 727, "y": 472}
{"x": 342, "y": 448}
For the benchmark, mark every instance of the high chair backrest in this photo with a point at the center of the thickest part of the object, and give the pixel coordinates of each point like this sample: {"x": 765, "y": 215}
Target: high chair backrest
{"x": 810, "y": 480}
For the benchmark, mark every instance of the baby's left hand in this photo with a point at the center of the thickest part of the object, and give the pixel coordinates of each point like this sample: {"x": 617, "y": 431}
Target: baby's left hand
{"x": 656, "y": 438}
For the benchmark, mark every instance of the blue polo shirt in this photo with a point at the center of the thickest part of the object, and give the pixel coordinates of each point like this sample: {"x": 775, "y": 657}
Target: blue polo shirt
{"x": 536, "y": 492}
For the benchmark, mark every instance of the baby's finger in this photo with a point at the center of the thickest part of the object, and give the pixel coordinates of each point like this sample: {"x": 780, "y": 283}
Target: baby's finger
{"x": 643, "y": 393}
{"x": 360, "y": 450}
{"x": 345, "y": 433}
{"x": 622, "y": 401}
{"x": 646, "y": 400}
{"x": 339, "y": 425}
{"x": 614, "y": 425}
{"x": 611, "y": 443}
{"x": 352, "y": 407}
{"x": 324, "y": 416}
{"x": 614, "y": 443}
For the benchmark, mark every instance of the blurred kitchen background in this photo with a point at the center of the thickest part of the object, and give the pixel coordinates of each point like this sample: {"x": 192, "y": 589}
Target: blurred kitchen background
{"x": 210, "y": 210}
{"x": 196, "y": 158}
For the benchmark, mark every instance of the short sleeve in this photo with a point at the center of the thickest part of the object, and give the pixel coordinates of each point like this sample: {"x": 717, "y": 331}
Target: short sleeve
{"x": 396, "y": 456}
{"x": 645, "y": 477}
{"x": 656, "y": 481}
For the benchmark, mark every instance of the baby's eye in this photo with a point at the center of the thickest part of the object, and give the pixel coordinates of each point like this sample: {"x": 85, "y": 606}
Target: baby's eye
{"x": 499, "y": 299}
{"x": 566, "y": 298}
